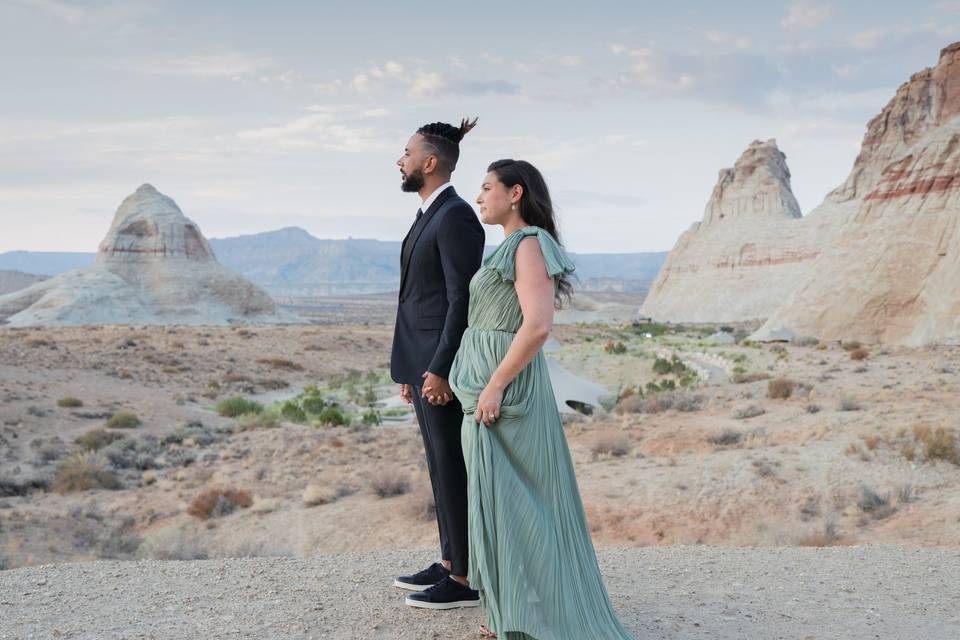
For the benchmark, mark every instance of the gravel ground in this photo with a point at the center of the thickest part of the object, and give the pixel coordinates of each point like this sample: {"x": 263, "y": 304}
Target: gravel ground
{"x": 660, "y": 592}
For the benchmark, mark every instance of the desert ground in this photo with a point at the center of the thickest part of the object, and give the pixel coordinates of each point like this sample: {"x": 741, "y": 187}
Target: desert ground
{"x": 804, "y": 444}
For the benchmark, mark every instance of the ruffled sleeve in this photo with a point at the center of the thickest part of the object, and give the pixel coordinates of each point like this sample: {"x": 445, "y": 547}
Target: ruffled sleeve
{"x": 503, "y": 259}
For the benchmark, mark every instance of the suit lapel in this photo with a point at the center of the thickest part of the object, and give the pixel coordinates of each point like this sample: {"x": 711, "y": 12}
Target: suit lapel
{"x": 411, "y": 240}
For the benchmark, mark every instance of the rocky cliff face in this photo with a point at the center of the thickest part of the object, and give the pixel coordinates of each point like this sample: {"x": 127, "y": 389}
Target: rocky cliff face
{"x": 891, "y": 272}
{"x": 878, "y": 260}
{"x": 153, "y": 267}
{"x": 749, "y": 248}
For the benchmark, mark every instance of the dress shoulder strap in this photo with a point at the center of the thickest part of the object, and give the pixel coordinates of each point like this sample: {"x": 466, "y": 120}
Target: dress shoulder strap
{"x": 502, "y": 260}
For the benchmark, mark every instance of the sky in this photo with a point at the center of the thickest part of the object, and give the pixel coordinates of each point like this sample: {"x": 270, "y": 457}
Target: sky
{"x": 254, "y": 116}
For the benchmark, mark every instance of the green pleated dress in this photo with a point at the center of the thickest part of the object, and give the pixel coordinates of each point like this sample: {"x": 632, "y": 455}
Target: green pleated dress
{"x": 531, "y": 556}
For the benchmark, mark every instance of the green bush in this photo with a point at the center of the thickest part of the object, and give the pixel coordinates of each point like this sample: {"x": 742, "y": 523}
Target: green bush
{"x": 292, "y": 411}
{"x": 313, "y": 405}
{"x": 372, "y": 417}
{"x": 333, "y": 416}
{"x": 123, "y": 420}
{"x": 237, "y": 406}
{"x": 97, "y": 439}
{"x": 69, "y": 402}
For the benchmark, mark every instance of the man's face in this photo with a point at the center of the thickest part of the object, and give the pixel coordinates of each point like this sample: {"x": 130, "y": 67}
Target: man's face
{"x": 412, "y": 163}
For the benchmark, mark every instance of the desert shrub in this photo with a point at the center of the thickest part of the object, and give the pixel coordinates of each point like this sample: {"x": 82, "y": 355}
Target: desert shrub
{"x": 663, "y": 385}
{"x": 726, "y": 437}
{"x": 664, "y": 367}
{"x": 237, "y": 406}
{"x": 313, "y": 404}
{"x": 216, "y": 502}
{"x": 681, "y": 401}
{"x": 371, "y": 417}
{"x": 389, "y": 483}
{"x": 333, "y": 416}
{"x": 291, "y": 410}
{"x": 69, "y": 402}
{"x": 314, "y": 495}
{"x": 805, "y": 341}
{"x": 97, "y": 439}
{"x": 826, "y": 537}
{"x": 615, "y": 347}
{"x": 751, "y": 411}
{"x": 873, "y": 503}
{"x": 272, "y": 384}
{"x": 422, "y": 505}
{"x": 938, "y": 444}
{"x": 851, "y": 345}
{"x": 614, "y": 446}
{"x": 740, "y": 377}
{"x": 280, "y": 363}
{"x": 250, "y": 421}
{"x": 84, "y": 471}
{"x": 123, "y": 420}
{"x": 848, "y": 404}
{"x": 780, "y": 388}
{"x": 859, "y": 354}
{"x": 812, "y": 408}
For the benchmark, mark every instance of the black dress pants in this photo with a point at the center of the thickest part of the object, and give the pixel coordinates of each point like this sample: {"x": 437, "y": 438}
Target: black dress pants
{"x": 440, "y": 428}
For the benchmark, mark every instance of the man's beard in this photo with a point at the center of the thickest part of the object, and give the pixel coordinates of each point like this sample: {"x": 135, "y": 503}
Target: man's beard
{"x": 413, "y": 182}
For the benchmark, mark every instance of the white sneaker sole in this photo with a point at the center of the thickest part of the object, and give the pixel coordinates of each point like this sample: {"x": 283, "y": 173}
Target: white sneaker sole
{"x": 409, "y": 586}
{"x": 441, "y": 605}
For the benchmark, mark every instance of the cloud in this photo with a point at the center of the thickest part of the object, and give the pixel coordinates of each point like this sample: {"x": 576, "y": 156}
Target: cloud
{"x": 734, "y": 78}
{"x": 417, "y": 79}
{"x": 333, "y": 129}
{"x": 802, "y": 15}
{"x": 59, "y": 10}
{"x": 228, "y": 64}
{"x": 723, "y": 38}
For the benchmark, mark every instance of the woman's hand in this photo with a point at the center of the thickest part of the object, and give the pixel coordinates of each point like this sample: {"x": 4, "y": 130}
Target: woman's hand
{"x": 488, "y": 405}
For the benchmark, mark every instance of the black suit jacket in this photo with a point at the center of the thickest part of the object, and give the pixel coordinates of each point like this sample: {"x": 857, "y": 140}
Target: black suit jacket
{"x": 440, "y": 254}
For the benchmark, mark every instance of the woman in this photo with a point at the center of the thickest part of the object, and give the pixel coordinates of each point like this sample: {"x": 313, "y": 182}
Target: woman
{"x": 530, "y": 553}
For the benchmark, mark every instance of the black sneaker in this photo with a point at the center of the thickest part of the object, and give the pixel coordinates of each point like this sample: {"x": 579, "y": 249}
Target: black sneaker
{"x": 423, "y": 579}
{"x": 447, "y": 594}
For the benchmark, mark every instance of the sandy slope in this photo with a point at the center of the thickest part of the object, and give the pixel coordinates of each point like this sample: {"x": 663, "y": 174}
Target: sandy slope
{"x": 666, "y": 592}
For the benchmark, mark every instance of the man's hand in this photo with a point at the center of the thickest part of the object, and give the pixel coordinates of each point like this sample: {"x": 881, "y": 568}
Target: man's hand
{"x": 406, "y": 393}
{"x": 436, "y": 390}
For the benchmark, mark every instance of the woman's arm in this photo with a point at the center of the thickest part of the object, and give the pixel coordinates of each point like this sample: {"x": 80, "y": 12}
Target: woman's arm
{"x": 535, "y": 291}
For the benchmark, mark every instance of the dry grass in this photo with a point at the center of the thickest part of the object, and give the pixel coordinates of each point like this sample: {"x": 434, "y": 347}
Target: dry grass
{"x": 390, "y": 483}
{"x": 611, "y": 445}
{"x": 281, "y": 363}
{"x": 859, "y": 354}
{"x": 780, "y": 388}
{"x": 725, "y": 438}
{"x": 84, "y": 471}
{"x": 250, "y": 421}
{"x": 216, "y": 502}
{"x": 744, "y": 378}
{"x": 123, "y": 420}
{"x": 314, "y": 495}
{"x": 938, "y": 444}
{"x": 97, "y": 439}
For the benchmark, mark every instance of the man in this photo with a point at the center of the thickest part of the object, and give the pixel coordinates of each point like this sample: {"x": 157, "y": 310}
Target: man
{"x": 440, "y": 254}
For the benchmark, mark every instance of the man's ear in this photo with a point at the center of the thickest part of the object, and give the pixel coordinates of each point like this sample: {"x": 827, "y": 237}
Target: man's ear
{"x": 430, "y": 165}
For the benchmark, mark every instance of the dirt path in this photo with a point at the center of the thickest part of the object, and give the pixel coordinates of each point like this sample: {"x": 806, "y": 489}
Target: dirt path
{"x": 664, "y": 592}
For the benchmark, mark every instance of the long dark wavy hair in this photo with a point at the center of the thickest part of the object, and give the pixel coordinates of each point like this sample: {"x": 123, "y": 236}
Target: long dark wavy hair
{"x": 536, "y": 207}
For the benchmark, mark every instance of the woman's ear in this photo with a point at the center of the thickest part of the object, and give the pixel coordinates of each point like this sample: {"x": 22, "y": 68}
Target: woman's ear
{"x": 517, "y": 193}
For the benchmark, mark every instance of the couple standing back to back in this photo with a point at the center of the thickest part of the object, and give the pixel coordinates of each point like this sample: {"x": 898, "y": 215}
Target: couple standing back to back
{"x": 467, "y": 354}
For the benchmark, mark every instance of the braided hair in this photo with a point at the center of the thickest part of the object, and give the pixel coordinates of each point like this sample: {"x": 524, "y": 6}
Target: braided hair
{"x": 536, "y": 207}
{"x": 443, "y": 141}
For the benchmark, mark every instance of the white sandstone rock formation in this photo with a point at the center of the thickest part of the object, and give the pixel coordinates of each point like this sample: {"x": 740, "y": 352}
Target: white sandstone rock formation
{"x": 892, "y": 271}
{"x": 877, "y": 261}
{"x": 751, "y": 247}
{"x": 153, "y": 267}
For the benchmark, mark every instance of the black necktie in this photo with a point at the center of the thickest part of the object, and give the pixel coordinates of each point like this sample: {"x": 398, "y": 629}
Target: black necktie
{"x": 419, "y": 213}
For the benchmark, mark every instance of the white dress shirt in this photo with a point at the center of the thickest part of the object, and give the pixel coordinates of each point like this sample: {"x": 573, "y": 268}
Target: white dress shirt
{"x": 433, "y": 196}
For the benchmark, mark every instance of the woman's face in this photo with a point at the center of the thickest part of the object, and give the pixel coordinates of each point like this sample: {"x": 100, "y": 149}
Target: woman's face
{"x": 495, "y": 200}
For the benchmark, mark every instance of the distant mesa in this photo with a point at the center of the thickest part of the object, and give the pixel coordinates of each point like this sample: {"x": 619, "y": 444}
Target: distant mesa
{"x": 153, "y": 267}
{"x": 877, "y": 261}
{"x": 11, "y": 280}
